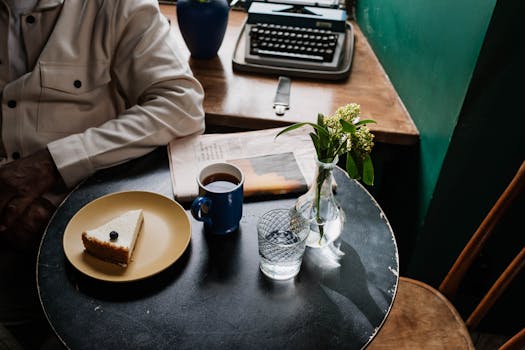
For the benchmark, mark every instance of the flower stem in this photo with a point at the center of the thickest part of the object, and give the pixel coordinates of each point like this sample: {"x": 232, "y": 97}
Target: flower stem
{"x": 341, "y": 144}
{"x": 320, "y": 180}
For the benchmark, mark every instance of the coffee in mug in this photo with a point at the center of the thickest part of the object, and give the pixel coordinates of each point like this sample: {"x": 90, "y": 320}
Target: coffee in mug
{"x": 219, "y": 204}
{"x": 220, "y": 182}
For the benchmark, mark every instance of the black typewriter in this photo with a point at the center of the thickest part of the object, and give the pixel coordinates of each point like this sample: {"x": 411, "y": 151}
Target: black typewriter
{"x": 296, "y": 40}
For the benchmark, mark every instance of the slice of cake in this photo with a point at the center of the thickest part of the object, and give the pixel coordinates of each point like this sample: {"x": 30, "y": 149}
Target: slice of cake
{"x": 114, "y": 241}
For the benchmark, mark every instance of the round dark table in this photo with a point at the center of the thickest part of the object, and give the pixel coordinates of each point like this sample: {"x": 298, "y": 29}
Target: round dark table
{"x": 214, "y": 296}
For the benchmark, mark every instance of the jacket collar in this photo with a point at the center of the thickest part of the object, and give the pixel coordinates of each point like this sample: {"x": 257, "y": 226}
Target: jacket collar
{"x": 48, "y": 4}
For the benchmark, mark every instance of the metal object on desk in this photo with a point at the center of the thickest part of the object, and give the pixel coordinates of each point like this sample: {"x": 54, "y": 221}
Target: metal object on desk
{"x": 239, "y": 5}
{"x": 281, "y": 101}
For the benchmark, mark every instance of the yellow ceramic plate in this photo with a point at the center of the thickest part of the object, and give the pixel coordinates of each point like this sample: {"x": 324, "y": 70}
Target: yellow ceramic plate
{"x": 164, "y": 236}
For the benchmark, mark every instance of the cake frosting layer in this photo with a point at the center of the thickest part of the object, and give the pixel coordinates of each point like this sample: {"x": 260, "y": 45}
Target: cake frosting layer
{"x": 115, "y": 240}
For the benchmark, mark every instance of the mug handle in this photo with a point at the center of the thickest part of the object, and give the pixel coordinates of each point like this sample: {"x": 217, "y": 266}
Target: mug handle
{"x": 196, "y": 209}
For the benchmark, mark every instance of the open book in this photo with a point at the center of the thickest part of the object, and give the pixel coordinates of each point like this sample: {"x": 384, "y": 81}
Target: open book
{"x": 270, "y": 165}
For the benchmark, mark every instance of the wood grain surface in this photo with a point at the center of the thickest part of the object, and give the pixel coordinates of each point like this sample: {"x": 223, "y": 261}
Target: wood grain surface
{"x": 245, "y": 100}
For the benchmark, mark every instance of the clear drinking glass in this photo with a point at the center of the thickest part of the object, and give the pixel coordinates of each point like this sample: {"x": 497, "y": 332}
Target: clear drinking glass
{"x": 282, "y": 240}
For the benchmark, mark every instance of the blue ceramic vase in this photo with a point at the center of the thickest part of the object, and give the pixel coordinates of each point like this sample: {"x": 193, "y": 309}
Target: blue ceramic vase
{"x": 202, "y": 24}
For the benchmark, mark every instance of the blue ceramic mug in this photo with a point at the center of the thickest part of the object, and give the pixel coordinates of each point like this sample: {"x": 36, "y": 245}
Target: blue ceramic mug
{"x": 219, "y": 204}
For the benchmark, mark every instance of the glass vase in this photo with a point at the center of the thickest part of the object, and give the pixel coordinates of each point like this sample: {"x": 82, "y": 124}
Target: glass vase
{"x": 320, "y": 207}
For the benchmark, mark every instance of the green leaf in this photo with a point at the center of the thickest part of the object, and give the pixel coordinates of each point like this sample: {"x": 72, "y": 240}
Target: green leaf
{"x": 324, "y": 139}
{"x": 321, "y": 130}
{"x": 351, "y": 167}
{"x": 347, "y": 127}
{"x": 368, "y": 171}
{"x": 290, "y": 128}
{"x": 364, "y": 121}
{"x": 341, "y": 147}
{"x": 314, "y": 138}
{"x": 320, "y": 120}
{"x": 315, "y": 141}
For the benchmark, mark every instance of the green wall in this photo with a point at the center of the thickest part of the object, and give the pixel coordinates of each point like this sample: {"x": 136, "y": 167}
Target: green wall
{"x": 465, "y": 92}
{"x": 429, "y": 50}
{"x": 486, "y": 149}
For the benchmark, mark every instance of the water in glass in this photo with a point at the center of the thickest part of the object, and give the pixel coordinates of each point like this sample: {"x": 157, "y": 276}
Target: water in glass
{"x": 282, "y": 238}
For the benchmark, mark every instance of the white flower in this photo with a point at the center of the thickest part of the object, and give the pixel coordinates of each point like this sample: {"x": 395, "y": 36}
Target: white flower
{"x": 348, "y": 113}
{"x": 363, "y": 141}
{"x": 332, "y": 122}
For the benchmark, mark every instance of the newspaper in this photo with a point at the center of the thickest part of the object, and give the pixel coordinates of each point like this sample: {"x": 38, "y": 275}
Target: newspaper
{"x": 270, "y": 165}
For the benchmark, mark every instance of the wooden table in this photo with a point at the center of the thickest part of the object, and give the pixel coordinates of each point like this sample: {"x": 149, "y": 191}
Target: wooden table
{"x": 245, "y": 101}
{"x": 214, "y": 296}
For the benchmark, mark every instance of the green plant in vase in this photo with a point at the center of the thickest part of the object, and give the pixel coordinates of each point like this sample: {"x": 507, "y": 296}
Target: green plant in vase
{"x": 342, "y": 133}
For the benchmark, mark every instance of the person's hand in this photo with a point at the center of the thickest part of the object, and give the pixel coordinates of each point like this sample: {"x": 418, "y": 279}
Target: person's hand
{"x": 26, "y": 233}
{"x": 22, "y": 182}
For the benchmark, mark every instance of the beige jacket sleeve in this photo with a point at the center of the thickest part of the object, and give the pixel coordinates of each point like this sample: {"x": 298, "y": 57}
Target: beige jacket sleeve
{"x": 162, "y": 100}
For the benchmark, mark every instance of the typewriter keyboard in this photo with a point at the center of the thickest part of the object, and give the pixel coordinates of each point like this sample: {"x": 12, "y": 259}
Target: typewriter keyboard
{"x": 288, "y": 42}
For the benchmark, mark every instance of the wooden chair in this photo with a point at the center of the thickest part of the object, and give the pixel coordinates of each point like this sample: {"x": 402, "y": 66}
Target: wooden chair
{"x": 425, "y": 318}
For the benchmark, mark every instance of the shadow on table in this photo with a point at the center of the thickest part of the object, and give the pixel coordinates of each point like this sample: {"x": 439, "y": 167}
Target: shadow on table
{"x": 334, "y": 273}
{"x": 126, "y": 291}
{"x": 220, "y": 257}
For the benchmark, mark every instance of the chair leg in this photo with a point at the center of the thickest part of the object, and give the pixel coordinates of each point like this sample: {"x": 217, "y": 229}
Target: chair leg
{"x": 516, "y": 342}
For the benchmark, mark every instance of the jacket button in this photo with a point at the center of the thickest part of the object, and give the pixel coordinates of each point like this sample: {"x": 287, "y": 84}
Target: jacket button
{"x": 30, "y": 19}
{"x": 15, "y": 155}
{"x": 77, "y": 83}
{"x": 11, "y": 103}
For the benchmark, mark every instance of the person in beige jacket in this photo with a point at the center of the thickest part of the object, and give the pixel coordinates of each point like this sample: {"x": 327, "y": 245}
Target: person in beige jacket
{"x": 84, "y": 85}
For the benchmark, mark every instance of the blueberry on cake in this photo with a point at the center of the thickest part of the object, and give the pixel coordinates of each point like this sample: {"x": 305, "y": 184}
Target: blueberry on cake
{"x": 114, "y": 241}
